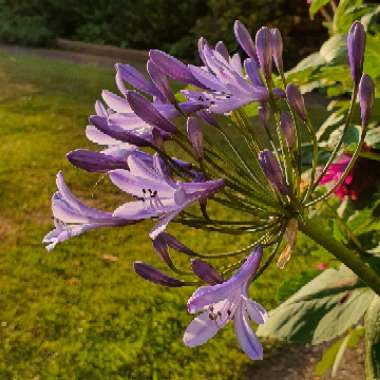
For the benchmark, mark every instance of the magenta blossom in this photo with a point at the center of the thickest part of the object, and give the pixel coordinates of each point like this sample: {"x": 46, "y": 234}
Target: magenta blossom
{"x": 224, "y": 302}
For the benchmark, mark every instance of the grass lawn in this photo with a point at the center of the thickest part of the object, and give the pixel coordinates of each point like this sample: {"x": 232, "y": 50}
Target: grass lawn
{"x": 80, "y": 312}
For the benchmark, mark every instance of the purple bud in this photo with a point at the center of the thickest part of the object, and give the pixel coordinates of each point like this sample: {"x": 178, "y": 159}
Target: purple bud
{"x": 161, "y": 82}
{"x": 296, "y": 101}
{"x": 195, "y": 136}
{"x": 288, "y": 129}
{"x": 144, "y": 109}
{"x": 244, "y": 39}
{"x": 161, "y": 247}
{"x": 273, "y": 172}
{"x": 132, "y": 76}
{"x": 95, "y": 162}
{"x": 118, "y": 133}
{"x": 277, "y": 49}
{"x": 252, "y": 70}
{"x": 355, "y": 48}
{"x": 366, "y": 98}
{"x": 221, "y": 48}
{"x": 264, "y": 50}
{"x": 172, "y": 242}
{"x": 206, "y": 272}
{"x": 152, "y": 274}
{"x": 264, "y": 114}
{"x": 172, "y": 67}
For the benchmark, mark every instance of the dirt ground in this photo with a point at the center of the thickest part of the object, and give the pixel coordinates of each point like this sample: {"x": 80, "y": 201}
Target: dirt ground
{"x": 297, "y": 363}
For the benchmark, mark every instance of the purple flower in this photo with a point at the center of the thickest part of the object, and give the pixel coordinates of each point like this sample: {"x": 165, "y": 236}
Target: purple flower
{"x": 157, "y": 195}
{"x": 221, "y": 303}
{"x": 366, "y": 98}
{"x": 273, "y": 172}
{"x": 152, "y": 274}
{"x": 355, "y": 48}
{"x": 264, "y": 50}
{"x": 72, "y": 217}
{"x": 227, "y": 87}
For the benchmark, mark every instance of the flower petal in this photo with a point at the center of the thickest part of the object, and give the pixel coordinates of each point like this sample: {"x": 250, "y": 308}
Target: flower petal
{"x": 200, "y": 330}
{"x": 248, "y": 340}
{"x": 255, "y": 311}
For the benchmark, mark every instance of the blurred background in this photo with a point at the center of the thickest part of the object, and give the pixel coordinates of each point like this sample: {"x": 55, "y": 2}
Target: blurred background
{"x": 170, "y": 25}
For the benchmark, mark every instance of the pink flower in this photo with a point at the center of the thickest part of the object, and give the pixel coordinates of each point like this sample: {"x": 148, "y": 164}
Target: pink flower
{"x": 361, "y": 177}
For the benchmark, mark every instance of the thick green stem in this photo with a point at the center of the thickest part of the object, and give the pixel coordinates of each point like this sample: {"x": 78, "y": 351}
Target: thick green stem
{"x": 314, "y": 228}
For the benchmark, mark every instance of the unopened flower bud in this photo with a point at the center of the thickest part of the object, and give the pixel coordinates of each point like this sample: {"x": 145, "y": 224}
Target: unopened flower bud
{"x": 244, "y": 39}
{"x": 355, "y": 48}
{"x": 277, "y": 49}
{"x": 296, "y": 100}
{"x": 273, "y": 172}
{"x": 152, "y": 274}
{"x": 264, "y": 114}
{"x": 264, "y": 50}
{"x": 95, "y": 162}
{"x": 221, "y": 48}
{"x": 206, "y": 272}
{"x": 288, "y": 129}
{"x": 366, "y": 98}
{"x": 161, "y": 82}
{"x": 195, "y": 136}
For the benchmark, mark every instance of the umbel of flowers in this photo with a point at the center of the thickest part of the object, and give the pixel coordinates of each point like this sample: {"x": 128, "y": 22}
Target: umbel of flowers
{"x": 259, "y": 177}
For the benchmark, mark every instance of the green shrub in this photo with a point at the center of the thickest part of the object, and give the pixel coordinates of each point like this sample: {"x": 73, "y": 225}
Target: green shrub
{"x": 165, "y": 24}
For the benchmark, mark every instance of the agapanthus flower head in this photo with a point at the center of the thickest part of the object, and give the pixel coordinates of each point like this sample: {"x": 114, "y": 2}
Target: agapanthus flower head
{"x": 257, "y": 177}
{"x": 228, "y": 301}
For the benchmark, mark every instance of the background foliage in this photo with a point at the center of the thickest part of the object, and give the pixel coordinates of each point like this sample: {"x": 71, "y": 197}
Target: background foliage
{"x": 170, "y": 25}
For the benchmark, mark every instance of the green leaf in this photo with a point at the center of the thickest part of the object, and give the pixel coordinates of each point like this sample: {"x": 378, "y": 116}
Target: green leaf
{"x": 328, "y": 358}
{"x": 345, "y": 15}
{"x": 372, "y": 340}
{"x": 320, "y": 311}
{"x": 334, "y": 50}
{"x": 316, "y": 5}
{"x": 373, "y": 138}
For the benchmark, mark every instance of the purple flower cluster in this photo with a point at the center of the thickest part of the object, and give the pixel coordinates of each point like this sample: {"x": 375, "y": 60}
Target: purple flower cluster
{"x": 257, "y": 181}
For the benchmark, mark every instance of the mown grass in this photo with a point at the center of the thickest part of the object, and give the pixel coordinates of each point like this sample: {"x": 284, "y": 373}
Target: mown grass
{"x": 77, "y": 313}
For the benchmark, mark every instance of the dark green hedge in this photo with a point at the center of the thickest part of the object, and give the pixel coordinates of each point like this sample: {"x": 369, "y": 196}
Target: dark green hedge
{"x": 171, "y": 25}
